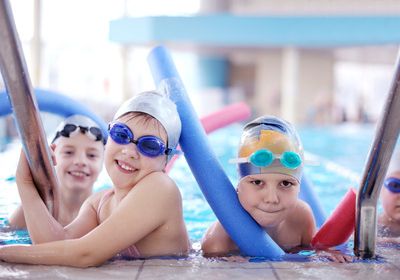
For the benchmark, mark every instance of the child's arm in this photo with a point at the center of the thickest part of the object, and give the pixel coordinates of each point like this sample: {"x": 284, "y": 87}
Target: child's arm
{"x": 308, "y": 224}
{"x": 216, "y": 241}
{"x": 42, "y": 226}
{"x": 17, "y": 219}
{"x": 140, "y": 213}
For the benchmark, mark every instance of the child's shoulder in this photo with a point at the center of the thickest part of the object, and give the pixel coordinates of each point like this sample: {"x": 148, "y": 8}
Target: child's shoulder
{"x": 301, "y": 214}
{"x": 95, "y": 198}
{"x": 158, "y": 184}
{"x": 159, "y": 180}
{"x": 303, "y": 206}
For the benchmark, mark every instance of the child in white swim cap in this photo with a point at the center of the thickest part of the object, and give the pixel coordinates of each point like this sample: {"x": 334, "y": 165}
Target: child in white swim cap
{"x": 78, "y": 146}
{"x": 140, "y": 216}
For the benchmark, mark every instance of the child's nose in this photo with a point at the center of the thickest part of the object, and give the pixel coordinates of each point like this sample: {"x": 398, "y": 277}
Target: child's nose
{"x": 270, "y": 195}
{"x": 80, "y": 159}
{"x": 131, "y": 151}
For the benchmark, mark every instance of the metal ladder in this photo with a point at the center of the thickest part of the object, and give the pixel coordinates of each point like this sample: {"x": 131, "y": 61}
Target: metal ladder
{"x": 387, "y": 132}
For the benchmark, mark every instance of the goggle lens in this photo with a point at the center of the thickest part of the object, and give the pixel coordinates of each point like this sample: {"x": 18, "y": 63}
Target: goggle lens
{"x": 96, "y": 132}
{"x": 68, "y": 129}
{"x": 291, "y": 160}
{"x": 392, "y": 184}
{"x": 120, "y": 134}
{"x": 262, "y": 158}
{"x": 150, "y": 146}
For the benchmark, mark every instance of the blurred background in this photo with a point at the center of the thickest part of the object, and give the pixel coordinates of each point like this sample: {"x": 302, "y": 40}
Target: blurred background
{"x": 324, "y": 65}
{"x": 310, "y": 61}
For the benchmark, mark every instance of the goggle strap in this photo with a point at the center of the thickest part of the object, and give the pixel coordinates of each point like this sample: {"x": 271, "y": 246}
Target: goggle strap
{"x": 238, "y": 160}
{"x": 171, "y": 151}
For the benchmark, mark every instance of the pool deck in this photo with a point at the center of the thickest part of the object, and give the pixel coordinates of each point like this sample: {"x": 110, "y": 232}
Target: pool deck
{"x": 202, "y": 268}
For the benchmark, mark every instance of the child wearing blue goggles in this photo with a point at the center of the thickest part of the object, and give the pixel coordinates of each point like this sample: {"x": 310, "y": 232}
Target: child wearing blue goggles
{"x": 138, "y": 181}
{"x": 389, "y": 219}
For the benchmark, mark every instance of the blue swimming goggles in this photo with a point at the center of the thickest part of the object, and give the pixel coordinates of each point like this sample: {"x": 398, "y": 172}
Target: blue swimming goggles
{"x": 263, "y": 158}
{"x": 392, "y": 184}
{"x": 149, "y": 145}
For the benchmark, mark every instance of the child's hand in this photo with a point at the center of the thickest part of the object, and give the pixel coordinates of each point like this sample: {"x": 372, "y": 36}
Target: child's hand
{"x": 238, "y": 259}
{"x": 389, "y": 239}
{"x": 23, "y": 175}
{"x": 335, "y": 256}
{"x": 340, "y": 258}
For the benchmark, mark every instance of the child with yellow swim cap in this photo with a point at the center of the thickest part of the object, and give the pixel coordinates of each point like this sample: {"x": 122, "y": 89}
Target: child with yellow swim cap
{"x": 270, "y": 164}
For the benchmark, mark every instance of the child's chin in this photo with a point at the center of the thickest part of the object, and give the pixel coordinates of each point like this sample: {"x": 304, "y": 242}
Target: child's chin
{"x": 269, "y": 223}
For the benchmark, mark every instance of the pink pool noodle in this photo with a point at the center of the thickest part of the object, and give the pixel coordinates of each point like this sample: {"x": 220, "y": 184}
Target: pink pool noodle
{"x": 340, "y": 225}
{"x": 230, "y": 114}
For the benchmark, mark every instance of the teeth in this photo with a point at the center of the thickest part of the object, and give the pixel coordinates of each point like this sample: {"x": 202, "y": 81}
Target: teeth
{"x": 125, "y": 167}
{"x": 78, "y": 173}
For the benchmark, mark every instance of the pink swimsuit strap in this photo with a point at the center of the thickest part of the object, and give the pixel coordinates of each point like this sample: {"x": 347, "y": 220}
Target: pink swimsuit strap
{"x": 103, "y": 199}
{"x": 130, "y": 252}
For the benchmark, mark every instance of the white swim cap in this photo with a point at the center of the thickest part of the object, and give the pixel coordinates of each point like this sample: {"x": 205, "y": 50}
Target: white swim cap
{"x": 394, "y": 165}
{"x": 159, "y": 107}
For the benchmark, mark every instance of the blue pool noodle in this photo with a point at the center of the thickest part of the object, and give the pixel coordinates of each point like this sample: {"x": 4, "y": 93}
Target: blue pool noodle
{"x": 59, "y": 104}
{"x": 308, "y": 195}
{"x": 251, "y": 239}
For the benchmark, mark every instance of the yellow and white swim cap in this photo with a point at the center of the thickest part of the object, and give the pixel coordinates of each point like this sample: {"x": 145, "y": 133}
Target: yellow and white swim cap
{"x": 270, "y": 145}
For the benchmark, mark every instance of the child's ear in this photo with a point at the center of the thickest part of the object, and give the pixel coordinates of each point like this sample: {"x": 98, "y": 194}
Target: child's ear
{"x": 53, "y": 157}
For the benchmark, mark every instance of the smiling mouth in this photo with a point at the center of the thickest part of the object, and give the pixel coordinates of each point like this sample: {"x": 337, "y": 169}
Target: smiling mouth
{"x": 79, "y": 174}
{"x": 269, "y": 211}
{"x": 125, "y": 167}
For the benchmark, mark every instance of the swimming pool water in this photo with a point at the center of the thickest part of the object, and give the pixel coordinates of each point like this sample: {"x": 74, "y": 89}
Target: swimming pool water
{"x": 340, "y": 152}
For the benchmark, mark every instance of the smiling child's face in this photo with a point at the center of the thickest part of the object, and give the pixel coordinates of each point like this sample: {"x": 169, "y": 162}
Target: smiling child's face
{"x": 79, "y": 161}
{"x": 125, "y": 165}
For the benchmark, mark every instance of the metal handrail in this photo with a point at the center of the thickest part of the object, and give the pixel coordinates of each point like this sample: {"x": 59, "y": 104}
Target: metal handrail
{"x": 387, "y": 132}
{"x": 25, "y": 109}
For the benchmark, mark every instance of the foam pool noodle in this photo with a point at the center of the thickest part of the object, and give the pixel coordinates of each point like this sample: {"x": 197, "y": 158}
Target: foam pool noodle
{"x": 340, "y": 225}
